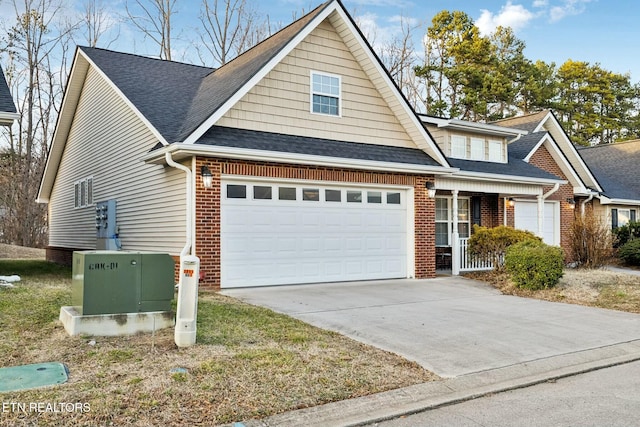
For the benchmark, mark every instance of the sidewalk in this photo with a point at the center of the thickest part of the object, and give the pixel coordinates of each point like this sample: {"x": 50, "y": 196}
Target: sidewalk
{"x": 422, "y": 397}
{"x": 622, "y": 270}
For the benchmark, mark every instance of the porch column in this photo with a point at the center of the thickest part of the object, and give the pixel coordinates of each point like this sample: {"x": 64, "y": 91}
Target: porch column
{"x": 455, "y": 237}
{"x": 540, "y": 216}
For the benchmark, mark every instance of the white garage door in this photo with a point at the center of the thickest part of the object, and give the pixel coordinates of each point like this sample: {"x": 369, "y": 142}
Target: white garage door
{"x": 526, "y": 218}
{"x": 284, "y": 233}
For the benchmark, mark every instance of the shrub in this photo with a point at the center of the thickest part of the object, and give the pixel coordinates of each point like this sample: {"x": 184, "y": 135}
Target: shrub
{"x": 534, "y": 265}
{"x": 630, "y": 252}
{"x": 627, "y": 232}
{"x": 492, "y": 242}
{"x": 590, "y": 239}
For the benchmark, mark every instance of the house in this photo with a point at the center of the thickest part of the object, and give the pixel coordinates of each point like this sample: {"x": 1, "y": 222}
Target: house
{"x": 300, "y": 161}
{"x": 616, "y": 167}
{"x": 8, "y": 112}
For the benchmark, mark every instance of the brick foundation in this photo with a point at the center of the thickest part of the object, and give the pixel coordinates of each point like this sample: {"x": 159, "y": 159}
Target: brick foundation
{"x": 59, "y": 255}
{"x": 207, "y": 217}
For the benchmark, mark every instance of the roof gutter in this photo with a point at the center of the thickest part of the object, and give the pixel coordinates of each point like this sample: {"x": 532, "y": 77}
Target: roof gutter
{"x": 480, "y": 176}
{"x": 182, "y": 151}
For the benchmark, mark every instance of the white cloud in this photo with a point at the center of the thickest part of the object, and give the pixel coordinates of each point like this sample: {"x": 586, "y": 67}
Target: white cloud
{"x": 540, "y": 3}
{"x": 511, "y": 15}
{"x": 567, "y": 8}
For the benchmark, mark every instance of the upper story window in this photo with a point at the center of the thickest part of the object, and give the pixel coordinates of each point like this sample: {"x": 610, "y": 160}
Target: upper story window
{"x": 475, "y": 148}
{"x": 325, "y": 93}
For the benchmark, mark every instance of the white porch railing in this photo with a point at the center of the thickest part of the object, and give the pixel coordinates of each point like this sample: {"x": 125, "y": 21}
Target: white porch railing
{"x": 469, "y": 262}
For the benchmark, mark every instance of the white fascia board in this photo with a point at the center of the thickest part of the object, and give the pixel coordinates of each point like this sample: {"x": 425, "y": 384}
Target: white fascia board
{"x": 569, "y": 145}
{"x": 7, "y": 118}
{"x": 217, "y": 115}
{"x": 604, "y": 200}
{"x": 561, "y": 159}
{"x": 126, "y": 100}
{"x": 468, "y": 126}
{"x": 480, "y": 176}
{"x": 182, "y": 150}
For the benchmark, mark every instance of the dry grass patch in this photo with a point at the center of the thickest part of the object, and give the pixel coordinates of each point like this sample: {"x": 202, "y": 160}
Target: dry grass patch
{"x": 20, "y": 252}
{"x": 591, "y": 287}
{"x": 248, "y": 362}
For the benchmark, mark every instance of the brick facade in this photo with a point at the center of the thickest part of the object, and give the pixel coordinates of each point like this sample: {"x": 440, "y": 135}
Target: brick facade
{"x": 207, "y": 216}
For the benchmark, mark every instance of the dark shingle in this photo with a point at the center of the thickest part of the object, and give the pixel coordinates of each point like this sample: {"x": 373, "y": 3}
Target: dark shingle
{"x": 521, "y": 147}
{"x": 514, "y": 167}
{"x": 616, "y": 167}
{"x": 6, "y": 101}
{"x": 274, "y": 142}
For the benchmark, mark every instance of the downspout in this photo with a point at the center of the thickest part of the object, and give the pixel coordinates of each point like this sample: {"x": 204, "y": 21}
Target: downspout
{"x": 186, "y": 250}
{"x": 584, "y": 203}
{"x": 541, "y": 200}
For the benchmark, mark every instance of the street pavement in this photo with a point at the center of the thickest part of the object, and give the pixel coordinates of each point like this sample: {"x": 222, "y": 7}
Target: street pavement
{"x": 607, "y": 397}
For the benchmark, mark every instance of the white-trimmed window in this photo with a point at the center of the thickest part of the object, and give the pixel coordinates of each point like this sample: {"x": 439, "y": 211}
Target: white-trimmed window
{"x": 477, "y": 149}
{"x": 83, "y": 193}
{"x": 444, "y": 219}
{"x": 325, "y": 93}
{"x": 621, "y": 217}
{"x": 458, "y": 147}
{"x": 495, "y": 151}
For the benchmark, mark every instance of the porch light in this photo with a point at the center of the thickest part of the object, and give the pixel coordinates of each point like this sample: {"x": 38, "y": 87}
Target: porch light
{"x": 431, "y": 189}
{"x": 207, "y": 177}
{"x": 511, "y": 202}
{"x": 571, "y": 202}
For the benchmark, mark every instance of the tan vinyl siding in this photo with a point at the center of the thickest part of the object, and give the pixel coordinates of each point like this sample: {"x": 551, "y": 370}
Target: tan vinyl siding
{"x": 281, "y": 101}
{"x": 106, "y": 142}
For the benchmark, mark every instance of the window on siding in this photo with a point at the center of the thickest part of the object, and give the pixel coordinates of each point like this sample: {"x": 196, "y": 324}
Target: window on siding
{"x": 621, "y": 217}
{"x": 83, "y": 193}
{"x": 325, "y": 94}
{"x": 477, "y": 149}
{"x": 495, "y": 151}
{"x": 458, "y": 147}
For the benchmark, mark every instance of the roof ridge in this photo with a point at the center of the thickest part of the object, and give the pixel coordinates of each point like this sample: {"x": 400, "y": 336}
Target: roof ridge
{"x": 151, "y": 58}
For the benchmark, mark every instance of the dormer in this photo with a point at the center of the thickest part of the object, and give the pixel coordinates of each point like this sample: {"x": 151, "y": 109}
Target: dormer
{"x": 460, "y": 139}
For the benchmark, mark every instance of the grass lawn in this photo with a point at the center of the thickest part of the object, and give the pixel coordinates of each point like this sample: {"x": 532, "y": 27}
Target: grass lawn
{"x": 248, "y": 362}
{"x": 595, "y": 288}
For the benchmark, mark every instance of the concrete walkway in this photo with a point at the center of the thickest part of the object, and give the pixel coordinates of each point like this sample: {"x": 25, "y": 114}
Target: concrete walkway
{"x": 622, "y": 270}
{"x": 482, "y": 342}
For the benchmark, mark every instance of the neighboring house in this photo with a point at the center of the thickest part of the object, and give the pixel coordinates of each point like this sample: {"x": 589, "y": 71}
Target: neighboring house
{"x": 617, "y": 167}
{"x": 300, "y": 161}
{"x": 8, "y": 112}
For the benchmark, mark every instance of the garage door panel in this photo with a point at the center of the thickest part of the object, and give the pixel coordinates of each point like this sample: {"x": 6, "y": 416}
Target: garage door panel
{"x": 526, "y": 218}
{"x": 271, "y": 242}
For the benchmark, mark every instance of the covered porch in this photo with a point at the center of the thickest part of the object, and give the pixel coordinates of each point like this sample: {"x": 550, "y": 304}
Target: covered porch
{"x": 460, "y": 204}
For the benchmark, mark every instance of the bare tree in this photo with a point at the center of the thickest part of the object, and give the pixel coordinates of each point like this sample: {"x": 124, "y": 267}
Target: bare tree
{"x": 229, "y": 27}
{"x": 154, "y": 21}
{"x": 31, "y": 46}
{"x": 399, "y": 57}
{"x": 95, "y": 22}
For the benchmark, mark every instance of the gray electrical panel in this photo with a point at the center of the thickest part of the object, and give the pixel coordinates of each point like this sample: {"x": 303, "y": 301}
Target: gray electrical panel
{"x": 106, "y": 226}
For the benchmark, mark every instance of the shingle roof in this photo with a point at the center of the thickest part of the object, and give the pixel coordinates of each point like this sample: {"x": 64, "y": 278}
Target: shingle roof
{"x": 176, "y": 98}
{"x": 6, "y": 101}
{"x": 521, "y": 147}
{"x": 528, "y": 122}
{"x": 616, "y": 167}
{"x": 513, "y": 167}
{"x": 267, "y": 141}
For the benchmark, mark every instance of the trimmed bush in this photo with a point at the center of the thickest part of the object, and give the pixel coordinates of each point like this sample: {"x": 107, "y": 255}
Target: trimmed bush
{"x": 630, "y": 252}
{"x": 627, "y": 232}
{"x": 534, "y": 265}
{"x": 491, "y": 243}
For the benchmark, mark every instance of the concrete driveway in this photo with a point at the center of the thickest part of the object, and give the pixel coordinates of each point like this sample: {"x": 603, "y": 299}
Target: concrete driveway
{"x": 450, "y": 325}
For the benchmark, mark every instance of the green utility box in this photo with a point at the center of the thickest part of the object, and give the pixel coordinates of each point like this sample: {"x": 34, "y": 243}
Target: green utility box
{"x": 113, "y": 282}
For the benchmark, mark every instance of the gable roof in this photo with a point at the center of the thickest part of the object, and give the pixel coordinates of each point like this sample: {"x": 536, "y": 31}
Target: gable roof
{"x": 616, "y": 167}
{"x": 8, "y": 112}
{"x": 545, "y": 120}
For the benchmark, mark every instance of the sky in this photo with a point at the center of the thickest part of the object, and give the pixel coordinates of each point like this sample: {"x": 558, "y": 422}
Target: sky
{"x": 594, "y": 31}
